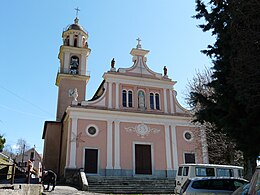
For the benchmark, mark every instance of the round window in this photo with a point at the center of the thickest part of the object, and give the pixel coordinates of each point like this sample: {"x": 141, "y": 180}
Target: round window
{"x": 188, "y": 136}
{"x": 92, "y": 130}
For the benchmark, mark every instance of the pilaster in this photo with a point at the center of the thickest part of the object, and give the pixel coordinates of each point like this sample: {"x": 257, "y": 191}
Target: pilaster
{"x": 171, "y": 101}
{"x": 109, "y": 145}
{"x": 168, "y": 150}
{"x": 165, "y": 101}
{"x": 117, "y": 145}
{"x": 110, "y": 95}
{"x": 117, "y": 95}
{"x": 174, "y": 147}
{"x": 73, "y": 135}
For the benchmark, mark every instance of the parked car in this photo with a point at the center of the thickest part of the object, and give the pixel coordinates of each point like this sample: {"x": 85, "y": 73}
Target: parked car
{"x": 243, "y": 190}
{"x": 186, "y": 171}
{"x": 254, "y": 185}
{"x": 211, "y": 185}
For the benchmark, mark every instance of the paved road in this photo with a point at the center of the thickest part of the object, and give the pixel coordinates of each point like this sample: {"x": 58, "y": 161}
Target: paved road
{"x": 67, "y": 190}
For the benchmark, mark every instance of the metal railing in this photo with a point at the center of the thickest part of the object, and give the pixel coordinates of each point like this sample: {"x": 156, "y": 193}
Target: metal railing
{"x": 73, "y": 71}
{"x": 11, "y": 173}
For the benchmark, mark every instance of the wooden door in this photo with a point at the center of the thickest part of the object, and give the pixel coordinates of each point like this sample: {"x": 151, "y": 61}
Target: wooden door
{"x": 91, "y": 161}
{"x": 143, "y": 159}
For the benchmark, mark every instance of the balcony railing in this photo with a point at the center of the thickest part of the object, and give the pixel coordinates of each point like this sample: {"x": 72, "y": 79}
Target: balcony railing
{"x": 73, "y": 71}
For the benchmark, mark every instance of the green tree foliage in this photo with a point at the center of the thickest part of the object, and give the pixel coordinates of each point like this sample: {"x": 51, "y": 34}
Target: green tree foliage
{"x": 234, "y": 105}
{"x": 2, "y": 142}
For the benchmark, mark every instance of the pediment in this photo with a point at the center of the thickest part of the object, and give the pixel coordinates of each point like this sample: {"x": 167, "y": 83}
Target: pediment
{"x": 139, "y": 67}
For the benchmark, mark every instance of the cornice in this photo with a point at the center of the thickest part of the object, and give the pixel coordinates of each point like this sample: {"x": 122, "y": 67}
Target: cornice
{"x": 96, "y": 114}
{"x": 139, "y": 81}
{"x": 72, "y": 77}
{"x": 76, "y": 32}
{"x": 75, "y": 50}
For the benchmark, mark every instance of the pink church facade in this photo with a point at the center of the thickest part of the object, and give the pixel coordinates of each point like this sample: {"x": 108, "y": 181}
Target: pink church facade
{"x": 133, "y": 125}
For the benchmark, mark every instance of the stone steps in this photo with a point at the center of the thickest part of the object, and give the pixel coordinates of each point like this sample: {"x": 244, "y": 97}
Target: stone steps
{"x": 133, "y": 185}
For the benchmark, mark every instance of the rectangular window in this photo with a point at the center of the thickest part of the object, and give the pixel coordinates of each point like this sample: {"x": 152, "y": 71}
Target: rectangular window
{"x": 225, "y": 172}
{"x": 240, "y": 173}
{"x": 32, "y": 156}
{"x": 180, "y": 171}
{"x": 185, "y": 171}
{"x": 124, "y": 98}
{"x": 151, "y": 101}
{"x": 204, "y": 172}
{"x": 157, "y": 102}
{"x": 189, "y": 157}
{"x": 130, "y": 99}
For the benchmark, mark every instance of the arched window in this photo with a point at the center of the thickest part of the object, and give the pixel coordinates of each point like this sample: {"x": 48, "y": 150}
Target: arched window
{"x": 141, "y": 99}
{"x": 124, "y": 98}
{"x": 83, "y": 42}
{"x": 130, "y": 99}
{"x": 67, "y": 41}
{"x": 154, "y": 101}
{"x": 151, "y": 101}
{"x": 127, "y": 98}
{"x": 74, "y": 65}
{"x": 76, "y": 41}
{"x": 157, "y": 101}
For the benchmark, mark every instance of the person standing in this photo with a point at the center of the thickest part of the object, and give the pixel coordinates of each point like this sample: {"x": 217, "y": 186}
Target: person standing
{"x": 49, "y": 178}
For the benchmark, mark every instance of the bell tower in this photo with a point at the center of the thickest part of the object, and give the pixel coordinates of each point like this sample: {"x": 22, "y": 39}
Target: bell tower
{"x": 72, "y": 76}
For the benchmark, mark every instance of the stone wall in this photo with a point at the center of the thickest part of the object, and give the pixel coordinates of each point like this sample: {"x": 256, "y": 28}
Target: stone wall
{"x": 21, "y": 189}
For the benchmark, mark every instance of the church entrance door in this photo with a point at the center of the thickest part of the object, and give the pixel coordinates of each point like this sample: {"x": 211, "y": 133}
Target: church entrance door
{"x": 91, "y": 161}
{"x": 143, "y": 159}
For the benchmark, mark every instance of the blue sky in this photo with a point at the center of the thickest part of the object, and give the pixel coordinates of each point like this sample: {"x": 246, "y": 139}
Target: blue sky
{"x": 30, "y": 38}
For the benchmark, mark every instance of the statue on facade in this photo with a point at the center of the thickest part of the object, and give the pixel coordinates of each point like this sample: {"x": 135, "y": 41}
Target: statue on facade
{"x": 113, "y": 62}
{"x": 165, "y": 71}
{"x": 141, "y": 100}
{"x": 74, "y": 93}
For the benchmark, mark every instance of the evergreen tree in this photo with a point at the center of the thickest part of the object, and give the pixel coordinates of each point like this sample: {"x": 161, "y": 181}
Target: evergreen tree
{"x": 220, "y": 149}
{"x": 2, "y": 143}
{"x": 233, "y": 107}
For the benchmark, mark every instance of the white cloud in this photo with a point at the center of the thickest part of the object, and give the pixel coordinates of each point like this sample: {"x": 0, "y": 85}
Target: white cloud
{"x": 15, "y": 147}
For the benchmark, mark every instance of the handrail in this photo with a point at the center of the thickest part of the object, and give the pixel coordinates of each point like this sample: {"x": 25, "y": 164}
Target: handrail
{"x": 12, "y": 174}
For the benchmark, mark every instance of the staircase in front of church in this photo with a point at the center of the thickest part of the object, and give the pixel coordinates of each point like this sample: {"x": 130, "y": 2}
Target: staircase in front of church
{"x": 131, "y": 185}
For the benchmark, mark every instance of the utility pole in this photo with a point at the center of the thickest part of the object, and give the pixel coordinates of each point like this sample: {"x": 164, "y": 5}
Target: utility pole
{"x": 23, "y": 154}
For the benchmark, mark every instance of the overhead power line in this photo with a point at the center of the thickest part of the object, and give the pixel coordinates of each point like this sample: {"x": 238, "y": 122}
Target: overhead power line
{"x": 25, "y": 100}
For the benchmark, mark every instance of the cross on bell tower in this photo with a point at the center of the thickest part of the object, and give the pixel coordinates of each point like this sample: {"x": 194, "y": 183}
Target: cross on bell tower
{"x": 77, "y": 11}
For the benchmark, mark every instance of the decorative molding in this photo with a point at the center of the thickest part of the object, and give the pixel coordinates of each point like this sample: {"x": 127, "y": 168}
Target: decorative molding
{"x": 132, "y": 117}
{"x": 142, "y": 130}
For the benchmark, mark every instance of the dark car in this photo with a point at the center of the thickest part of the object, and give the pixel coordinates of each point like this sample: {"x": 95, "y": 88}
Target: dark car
{"x": 254, "y": 186}
{"x": 212, "y": 185}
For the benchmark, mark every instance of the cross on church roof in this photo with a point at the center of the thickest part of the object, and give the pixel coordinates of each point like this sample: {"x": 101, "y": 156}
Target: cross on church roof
{"x": 138, "y": 43}
{"x": 77, "y": 11}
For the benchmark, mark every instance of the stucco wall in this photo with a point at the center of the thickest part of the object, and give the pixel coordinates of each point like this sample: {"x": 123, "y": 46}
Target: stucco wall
{"x": 97, "y": 142}
{"x": 64, "y": 147}
{"x": 193, "y": 146}
{"x": 63, "y": 95}
{"x": 52, "y": 146}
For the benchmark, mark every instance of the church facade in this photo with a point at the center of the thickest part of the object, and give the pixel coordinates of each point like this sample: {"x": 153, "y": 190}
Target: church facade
{"x": 133, "y": 125}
